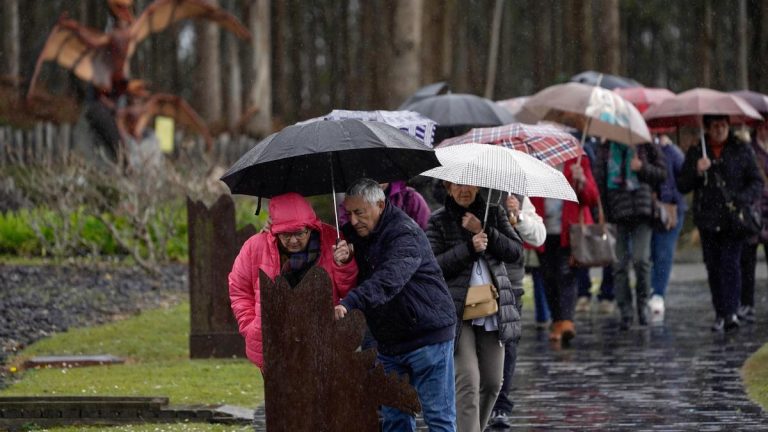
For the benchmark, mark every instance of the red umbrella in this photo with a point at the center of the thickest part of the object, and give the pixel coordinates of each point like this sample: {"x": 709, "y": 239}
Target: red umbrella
{"x": 643, "y": 97}
{"x": 688, "y": 108}
{"x": 758, "y": 101}
{"x": 546, "y": 143}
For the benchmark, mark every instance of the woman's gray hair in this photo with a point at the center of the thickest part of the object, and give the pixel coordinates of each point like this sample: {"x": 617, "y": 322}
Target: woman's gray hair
{"x": 368, "y": 189}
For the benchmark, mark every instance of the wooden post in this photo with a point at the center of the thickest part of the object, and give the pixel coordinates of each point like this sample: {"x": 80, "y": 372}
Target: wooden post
{"x": 213, "y": 245}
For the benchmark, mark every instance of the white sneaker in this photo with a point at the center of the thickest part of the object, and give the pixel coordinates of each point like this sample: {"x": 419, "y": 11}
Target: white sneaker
{"x": 656, "y": 306}
{"x": 606, "y": 307}
{"x": 582, "y": 304}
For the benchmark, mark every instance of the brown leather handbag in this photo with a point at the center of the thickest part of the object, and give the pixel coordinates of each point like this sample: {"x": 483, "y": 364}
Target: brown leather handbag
{"x": 593, "y": 245}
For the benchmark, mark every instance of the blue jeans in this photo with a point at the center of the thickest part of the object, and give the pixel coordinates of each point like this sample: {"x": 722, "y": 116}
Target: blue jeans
{"x": 430, "y": 369}
{"x": 663, "y": 244}
{"x": 541, "y": 313}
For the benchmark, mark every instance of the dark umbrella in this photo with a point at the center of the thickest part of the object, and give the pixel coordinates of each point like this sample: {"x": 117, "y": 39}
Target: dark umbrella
{"x": 326, "y": 156}
{"x": 427, "y": 91}
{"x": 608, "y": 81}
{"x": 456, "y": 113}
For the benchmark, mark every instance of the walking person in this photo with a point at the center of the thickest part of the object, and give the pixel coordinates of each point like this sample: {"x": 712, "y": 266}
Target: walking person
{"x": 405, "y": 300}
{"x": 727, "y": 170}
{"x": 664, "y": 239}
{"x": 627, "y": 177}
{"x": 746, "y": 311}
{"x": 295, "y": 241}
{"x": 470, "y": 253}
{"x": 530, "y": 227}
{"x": 555, "y": 255}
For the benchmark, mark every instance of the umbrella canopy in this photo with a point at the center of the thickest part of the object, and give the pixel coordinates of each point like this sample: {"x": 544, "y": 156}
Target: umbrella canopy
{"x": 325, "y": 156}
{"x": 608, "y": 81}
{"x": 546, "y": 143}
{"x": 758, "y": 101}
{"x": 457, "y": 109}
{"x": 593, "y": 110}
{"x": 513, "y": 105}
{"x": 500, "y": 168}
{"x": 643, "y": 97}
{"x": 430, "y": 90}
{"x": 410, "y": 122}
{"x": 688, "y": 108}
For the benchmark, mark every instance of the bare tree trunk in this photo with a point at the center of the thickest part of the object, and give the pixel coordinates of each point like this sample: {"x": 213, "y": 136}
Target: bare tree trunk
{"x": 449, "y": 21}
{"x": 208, "y": 95}
{"x": 493, "y": 50}
{"x": 405, "y": 74}
{"x": 558, "y": 63}
{"x": 233, "y": 81}
{"x": 582, "y": 15}
{"x": 705, "y": 45}
{"x": 432, "y": 44}
{"x": 542, "y": 60}
{"x": 741, "y": 32}
{"x": 610, "y": 37}
{"x": 12, "y": 38}
{"x": 260, "y": 96}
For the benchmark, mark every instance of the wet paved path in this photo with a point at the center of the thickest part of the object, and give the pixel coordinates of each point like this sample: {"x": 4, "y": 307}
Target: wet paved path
{"x": 677, "y": 377}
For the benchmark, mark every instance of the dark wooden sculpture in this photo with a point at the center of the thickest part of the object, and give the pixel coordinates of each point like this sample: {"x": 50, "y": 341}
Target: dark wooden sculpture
{"x": 314, "y": 379}
{"x": 214, "y": 243}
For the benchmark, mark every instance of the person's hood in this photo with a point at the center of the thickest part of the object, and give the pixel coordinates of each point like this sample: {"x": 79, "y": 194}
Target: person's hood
{"x": 395, "y": 187}
{"x": 291, "y": 212}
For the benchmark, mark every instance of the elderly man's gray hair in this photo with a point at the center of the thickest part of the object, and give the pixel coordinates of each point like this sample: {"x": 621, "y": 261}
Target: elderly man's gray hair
{"x": 368, "y": 189}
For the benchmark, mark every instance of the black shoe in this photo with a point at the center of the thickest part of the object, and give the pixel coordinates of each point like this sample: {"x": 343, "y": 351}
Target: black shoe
{"x": 746, "y": 314}
{"x": 626, "y": 323}
{"x": 642, "y": 317}
{"x": 719, "y": 325}
{"x": 499, "y": 419}
{"x": 731, "y": 323}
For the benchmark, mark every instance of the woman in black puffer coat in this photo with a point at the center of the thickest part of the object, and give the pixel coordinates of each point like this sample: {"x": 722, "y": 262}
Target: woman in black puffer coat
{"x": 458, "y": 240}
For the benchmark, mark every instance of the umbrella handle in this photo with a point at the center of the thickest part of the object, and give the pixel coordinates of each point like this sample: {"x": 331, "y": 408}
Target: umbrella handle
{"x": 703, "y": 151}
{"x": 487, "y": 207}
{"x": 333, "y": 194}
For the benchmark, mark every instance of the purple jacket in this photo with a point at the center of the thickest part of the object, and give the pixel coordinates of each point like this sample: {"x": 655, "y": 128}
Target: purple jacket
{"x": 403, "y": 197}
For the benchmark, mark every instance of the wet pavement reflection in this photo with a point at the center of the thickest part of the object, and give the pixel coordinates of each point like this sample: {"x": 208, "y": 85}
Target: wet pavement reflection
{"x": 676, "y": 377}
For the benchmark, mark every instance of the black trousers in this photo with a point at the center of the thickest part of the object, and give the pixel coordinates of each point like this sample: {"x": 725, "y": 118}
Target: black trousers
{"x": 560, "y": 284}
{"x": 722, "y": 257}
{"x": 748, "y": 267}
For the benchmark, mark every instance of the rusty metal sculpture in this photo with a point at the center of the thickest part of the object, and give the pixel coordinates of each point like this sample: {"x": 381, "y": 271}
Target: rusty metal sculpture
{"x": 314, "y": 379}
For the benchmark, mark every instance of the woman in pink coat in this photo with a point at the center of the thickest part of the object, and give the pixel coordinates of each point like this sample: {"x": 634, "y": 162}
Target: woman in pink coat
{"x": 295, "y": 241}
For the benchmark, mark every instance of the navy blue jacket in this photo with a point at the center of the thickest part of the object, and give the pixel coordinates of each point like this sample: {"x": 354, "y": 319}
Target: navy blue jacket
{"x": 401, "y": 288}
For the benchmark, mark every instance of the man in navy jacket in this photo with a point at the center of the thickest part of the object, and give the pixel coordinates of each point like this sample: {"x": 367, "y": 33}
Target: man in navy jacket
{"x": 402, "y": 293}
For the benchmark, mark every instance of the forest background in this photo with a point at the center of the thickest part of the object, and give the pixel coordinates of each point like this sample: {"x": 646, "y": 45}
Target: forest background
{"x": 308, "y": 57}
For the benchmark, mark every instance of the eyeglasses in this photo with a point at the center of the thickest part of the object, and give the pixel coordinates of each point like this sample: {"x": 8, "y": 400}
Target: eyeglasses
{"x": 298, "y": 235}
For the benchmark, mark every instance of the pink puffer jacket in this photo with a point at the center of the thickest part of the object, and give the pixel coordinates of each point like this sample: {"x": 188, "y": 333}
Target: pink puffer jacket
{"x": 289, "y": 212}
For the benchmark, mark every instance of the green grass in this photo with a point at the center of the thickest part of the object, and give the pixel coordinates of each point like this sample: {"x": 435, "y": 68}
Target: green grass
{"x": 754, "y": 374}
{"x": 155, "y": 345}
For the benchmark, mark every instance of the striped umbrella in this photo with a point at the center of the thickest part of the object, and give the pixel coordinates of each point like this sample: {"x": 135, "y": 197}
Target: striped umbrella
{"x": 546, "y": 143}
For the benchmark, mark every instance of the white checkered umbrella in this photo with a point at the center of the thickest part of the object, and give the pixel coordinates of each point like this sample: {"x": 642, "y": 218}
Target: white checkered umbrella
{"x": 414, "y": 124}
{"x": 500, "y": 168}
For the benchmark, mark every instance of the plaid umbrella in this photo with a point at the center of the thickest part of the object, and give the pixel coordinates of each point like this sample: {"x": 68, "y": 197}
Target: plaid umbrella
{"x": 410, "y": 122}
{"x": 500, "y": 168}
{"x": 593, "y": 110}
{"x": 544, "y": 142}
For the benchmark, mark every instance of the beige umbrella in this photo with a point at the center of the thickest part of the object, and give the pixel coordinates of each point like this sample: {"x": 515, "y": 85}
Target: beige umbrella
{"x": 593, "y": 110}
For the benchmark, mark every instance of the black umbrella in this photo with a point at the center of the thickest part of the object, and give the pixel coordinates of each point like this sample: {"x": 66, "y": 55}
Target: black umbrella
{"x": 430, "y": 90}
{"x": 607, "y": 81}
{"x": 325, "y": 156}
{"x": 457, "y": 113}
